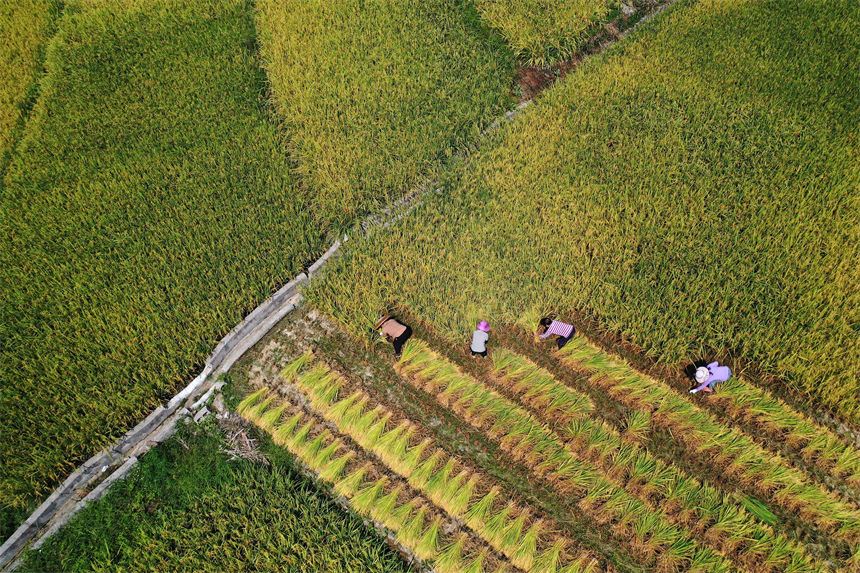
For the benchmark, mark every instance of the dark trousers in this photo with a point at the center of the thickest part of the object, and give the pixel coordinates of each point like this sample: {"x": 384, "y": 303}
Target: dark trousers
{"x": 400, "y": 341}
{"x": 562, "y": 341}
{"x": 476, "y": 353}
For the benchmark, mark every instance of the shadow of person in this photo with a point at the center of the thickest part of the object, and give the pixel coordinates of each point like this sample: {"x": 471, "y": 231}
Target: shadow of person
{"x": 690, "y": 371}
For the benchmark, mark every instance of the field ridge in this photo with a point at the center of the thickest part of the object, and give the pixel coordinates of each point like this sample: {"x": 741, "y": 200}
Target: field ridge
{"x": 10, "y": 135}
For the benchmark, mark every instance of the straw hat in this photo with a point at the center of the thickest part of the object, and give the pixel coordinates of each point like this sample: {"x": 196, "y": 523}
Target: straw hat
{"x": 702, "y": 374}
{"x": 484, "y": 325}
{"x": 382, "y": 320}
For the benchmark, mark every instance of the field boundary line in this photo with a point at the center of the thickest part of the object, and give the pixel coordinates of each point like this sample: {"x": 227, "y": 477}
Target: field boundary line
{"x": 91, "y": 480}
{"x": 35, "y": 93}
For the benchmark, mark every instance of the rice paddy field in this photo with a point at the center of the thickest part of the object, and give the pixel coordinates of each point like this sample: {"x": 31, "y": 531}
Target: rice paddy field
{"x": 693, "y": 207}
{"x": 25, "y": 27}
{"x": 690, "y": 193}
{"x": 149, "y": 205}
{"x": 156, "y": 197}
{"x": 543, "y": 32}
{"x": 373, "y": 95}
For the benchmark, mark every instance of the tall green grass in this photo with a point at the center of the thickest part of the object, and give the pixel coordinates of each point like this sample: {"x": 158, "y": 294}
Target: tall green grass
{"x": 543, "y": 32}
{"x": 694, "y": 189}
{"x": 373, "y": 93}
{"x": 149, "y": 206}
{"x": 187, "y": 507}
{"x": 25, "y": 26}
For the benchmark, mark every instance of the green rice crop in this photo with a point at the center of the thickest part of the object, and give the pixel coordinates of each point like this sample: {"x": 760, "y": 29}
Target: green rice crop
{"x": 694, "y": 189}
{"x": 542, "y": 32}
{"x": 372, "y": 93}
{"x": 187, "y": 506}
{"x": 149, "y": 206}
{"x": 153, "y": 199}
{"x": 25, "y": 26}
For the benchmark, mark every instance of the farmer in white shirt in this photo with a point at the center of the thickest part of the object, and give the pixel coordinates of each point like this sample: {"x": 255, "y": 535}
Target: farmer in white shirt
{"x": 480, "y": 338}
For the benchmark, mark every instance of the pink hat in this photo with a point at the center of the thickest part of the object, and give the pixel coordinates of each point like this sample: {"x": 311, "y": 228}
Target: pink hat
{"x": 484, "y": 325}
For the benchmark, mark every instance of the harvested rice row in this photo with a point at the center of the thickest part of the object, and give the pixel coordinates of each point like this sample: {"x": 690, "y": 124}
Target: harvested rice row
{"x": 474, "y": 498}
{"x": 722, "y": 521}
{"x": 730, "y": 450}
{"x": 539, "y": 390}
{"x": 817, "y": 445}
{"x": 418, "y": 526}
{"x": 646, "y": 532}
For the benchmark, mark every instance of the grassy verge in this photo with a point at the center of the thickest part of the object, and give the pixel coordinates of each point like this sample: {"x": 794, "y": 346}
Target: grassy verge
{"x": 543, "y": 32}
{"x": 187, "y": 506}
{"x": 373, "y": 94}
{"x": 690, "y": 205}
{"x": 25, "y": 26}
{"x": 149, "y": 207}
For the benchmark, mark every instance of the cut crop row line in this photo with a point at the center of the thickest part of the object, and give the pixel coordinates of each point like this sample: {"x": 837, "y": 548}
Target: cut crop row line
{"x": 774, "y": 423}
{"x": 646, "y": 532}
{"x": 415, "y": 522}
{"x": 723, "y": 522}
{"x": 507, "y": 526}
{"x": 819, "y": 446}
{"x": 729, "y": 450}
{"x": 636, "y": 426}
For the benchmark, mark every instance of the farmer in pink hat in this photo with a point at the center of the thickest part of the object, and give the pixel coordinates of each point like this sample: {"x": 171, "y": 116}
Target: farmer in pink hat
{"x": 480, "y": 338}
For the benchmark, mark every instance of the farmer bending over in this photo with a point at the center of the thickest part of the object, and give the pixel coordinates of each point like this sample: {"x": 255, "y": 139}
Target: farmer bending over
{"x": 480, "y": 338}
{"x": 709, "y": 376}
{"x": 394, "y": 332}
{"x": 563, "y": 330}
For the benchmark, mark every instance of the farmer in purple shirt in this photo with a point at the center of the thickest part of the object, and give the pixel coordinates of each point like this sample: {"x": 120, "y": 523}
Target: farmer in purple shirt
{"x": 710, "y": 375}
{"x": 563, "y": 330}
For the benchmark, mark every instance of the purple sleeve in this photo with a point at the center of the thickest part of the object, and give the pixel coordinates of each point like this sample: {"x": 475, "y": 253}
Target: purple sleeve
{"x": 713, "y": 365}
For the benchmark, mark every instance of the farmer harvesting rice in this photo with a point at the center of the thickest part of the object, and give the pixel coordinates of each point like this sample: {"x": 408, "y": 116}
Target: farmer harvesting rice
{"x": 563, "y": 330}
{"x": 394, "y": 332}
{"x": 480, "y": 338}
{"x": 709, "y": 376}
